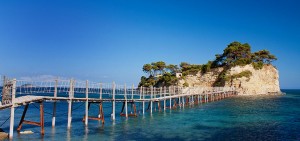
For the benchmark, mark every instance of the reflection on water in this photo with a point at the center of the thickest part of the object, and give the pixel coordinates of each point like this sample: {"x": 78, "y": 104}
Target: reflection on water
{"x": 69, "y": 134}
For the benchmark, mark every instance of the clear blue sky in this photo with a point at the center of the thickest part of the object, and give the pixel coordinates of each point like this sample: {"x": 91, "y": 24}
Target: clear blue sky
{"x": 111, "y": 40}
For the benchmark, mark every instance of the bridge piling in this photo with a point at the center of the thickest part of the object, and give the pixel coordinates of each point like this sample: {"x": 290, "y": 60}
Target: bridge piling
{"x": 143, "y": 100}
{"x": 126, "y": 105}
{"x": 151, "y": 101}
{"x": 100, "y": 97}
{"x": 54, "y": 104}
{"x": 71, "y": 95}
{"x": 86, "y": 103}
{"x": 113, "y": 115}
{"x": 165, "y": 91}
{"x": 12, "y": 109}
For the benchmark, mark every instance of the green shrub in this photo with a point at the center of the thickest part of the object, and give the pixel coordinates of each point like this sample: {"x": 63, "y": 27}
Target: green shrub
{"x": 206, "y": 67}
{"x": 242, "y": 62}
{"x": 246, "y": 74}
{"x": 222, "y": 78}
{"x": 258, "y": 65}
{"x": 185, "y": 84}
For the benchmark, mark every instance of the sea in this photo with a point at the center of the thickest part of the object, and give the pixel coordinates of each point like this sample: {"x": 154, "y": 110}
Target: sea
{"x": 241, "y": 118}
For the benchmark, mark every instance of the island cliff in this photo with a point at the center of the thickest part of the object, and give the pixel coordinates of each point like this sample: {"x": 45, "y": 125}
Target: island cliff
{"x": 262, "y": 81}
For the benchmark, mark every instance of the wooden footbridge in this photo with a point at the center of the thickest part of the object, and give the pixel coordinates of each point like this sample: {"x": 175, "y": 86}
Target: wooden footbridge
{"x": 17, "y": 93}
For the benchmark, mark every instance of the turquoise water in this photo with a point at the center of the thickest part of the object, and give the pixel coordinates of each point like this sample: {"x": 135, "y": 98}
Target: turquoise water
{"x": 238, "y": 118}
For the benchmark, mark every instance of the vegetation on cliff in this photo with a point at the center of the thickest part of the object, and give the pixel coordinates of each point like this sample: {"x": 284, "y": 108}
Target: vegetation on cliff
{"x": 235, "y": 54}
{"x": 246, "y": 74}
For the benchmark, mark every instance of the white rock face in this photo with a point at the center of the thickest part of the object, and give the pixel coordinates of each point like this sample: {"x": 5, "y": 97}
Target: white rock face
{"x": 263, "y": 81}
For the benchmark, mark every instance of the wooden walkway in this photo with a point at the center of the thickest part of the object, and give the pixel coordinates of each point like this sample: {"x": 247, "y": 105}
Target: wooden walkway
{"x": 23, "y": 100}
{"x": 164, "y": 98}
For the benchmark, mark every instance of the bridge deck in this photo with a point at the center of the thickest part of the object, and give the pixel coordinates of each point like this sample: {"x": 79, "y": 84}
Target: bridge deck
{"x": 23, "y": 100}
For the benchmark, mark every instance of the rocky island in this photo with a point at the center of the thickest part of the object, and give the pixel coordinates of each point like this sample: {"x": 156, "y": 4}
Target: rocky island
{"x": 250, "y": 73}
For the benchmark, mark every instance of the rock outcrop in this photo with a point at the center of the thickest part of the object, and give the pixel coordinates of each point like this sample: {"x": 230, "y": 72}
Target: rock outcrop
{"x": 3, "y": 135}
{"x": 262, "y": 81}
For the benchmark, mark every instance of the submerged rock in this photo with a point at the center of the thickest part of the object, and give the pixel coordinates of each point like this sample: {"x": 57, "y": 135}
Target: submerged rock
{"x": 26, "y": 132}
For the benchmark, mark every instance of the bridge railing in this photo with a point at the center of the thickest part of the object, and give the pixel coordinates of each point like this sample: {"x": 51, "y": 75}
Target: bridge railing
{"x": 79, "y": 89}
{"x": 7, "y": 91}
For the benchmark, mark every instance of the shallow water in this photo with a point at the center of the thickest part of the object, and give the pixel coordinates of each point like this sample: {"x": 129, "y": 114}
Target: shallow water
{"x": 238, "y": 118}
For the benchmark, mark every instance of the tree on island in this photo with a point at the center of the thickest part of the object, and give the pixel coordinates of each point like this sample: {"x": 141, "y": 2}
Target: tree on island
{"x": 263, "y": 56}
{"x": 159, "y": 66}
{"x": 147, "y": 68}
{"x": 235, "y": 54}
{"x": 173, "y": 69}
{"x": 159, "y": 74}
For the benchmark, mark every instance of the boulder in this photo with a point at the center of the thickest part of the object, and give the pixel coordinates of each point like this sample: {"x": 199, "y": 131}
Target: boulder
{"x": 3, "y": 135}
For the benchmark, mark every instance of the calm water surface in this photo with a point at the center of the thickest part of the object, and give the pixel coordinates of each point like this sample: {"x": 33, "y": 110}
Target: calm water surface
{"x": 238, "y": 118}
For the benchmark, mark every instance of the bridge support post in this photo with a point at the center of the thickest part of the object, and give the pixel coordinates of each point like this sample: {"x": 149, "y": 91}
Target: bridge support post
{"x": 54, "y": 104}
{"x": 165, "y": 91}
{"x": 151, "y": 102}
{"x": 170, "y": 91}
{"x": 113, "y": 115}
{"x": 192, "y": 99}
{"x": 69, "y": 114}
{"x": 183, "y": 103}
{"x": 182, "y": 98}
{"x": 143, "y": 92}
{"x": 179, "y": 102}
{"x": 12, "y": 109}
{"x": 101, "y": 113}
{"x": 41, "y": 123}
{"x": 86, "y": 103}
{"x": 207, "y": 98}
{"x": 42, "y": 120}
{"x": 22, "y": 118}
{"x": 208, "y": 95}
{"x": 71, "y": 95}
{"x": 126, "y": 105}
{"x": 132, "y": 88}
{"x": 100, "y": 97}
{"x": 201, "y": 98}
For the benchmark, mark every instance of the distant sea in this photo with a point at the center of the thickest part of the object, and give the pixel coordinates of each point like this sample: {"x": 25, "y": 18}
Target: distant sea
{"x": 250, "y": 118}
